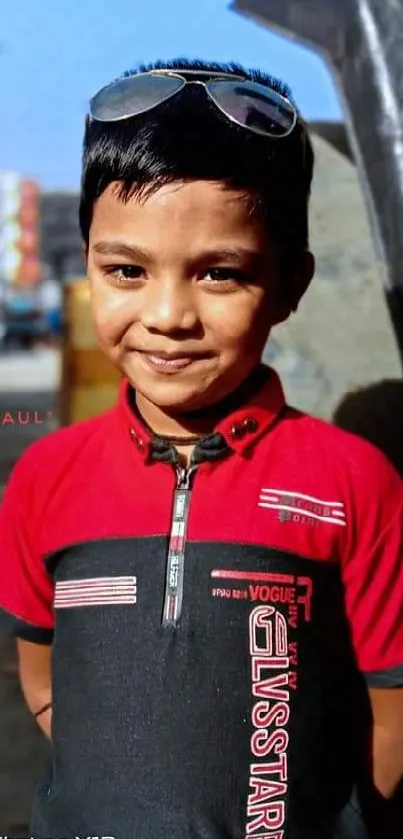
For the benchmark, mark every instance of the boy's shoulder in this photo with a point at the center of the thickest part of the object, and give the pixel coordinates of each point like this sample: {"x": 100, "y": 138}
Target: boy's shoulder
{"x": 341, "y": 452}
{"x": 323, "y": 432}
{"x": 50, "y": 454}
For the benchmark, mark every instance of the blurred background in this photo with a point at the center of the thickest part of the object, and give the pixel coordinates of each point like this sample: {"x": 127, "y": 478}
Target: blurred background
{"x": 346, "y": 337}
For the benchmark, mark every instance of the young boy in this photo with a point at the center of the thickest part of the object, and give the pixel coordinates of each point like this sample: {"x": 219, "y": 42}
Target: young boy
{"x": 206, "y": 584}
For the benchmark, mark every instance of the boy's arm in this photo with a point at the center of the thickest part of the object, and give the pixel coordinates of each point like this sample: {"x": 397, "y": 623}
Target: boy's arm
{"x": 34, "y": 662}
{"x": 385, "y": 806}
{"x": 387, "y": 741}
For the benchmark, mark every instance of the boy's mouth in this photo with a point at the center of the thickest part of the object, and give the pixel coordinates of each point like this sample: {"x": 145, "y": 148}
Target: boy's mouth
{"x": 166, "y": 363}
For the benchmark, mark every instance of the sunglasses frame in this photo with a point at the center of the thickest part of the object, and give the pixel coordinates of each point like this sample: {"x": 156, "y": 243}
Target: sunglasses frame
{"x": 214, "y": 77}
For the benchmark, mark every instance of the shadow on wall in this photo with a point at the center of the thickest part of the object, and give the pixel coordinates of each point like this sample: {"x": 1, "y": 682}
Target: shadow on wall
{"x": 376, "y": 414}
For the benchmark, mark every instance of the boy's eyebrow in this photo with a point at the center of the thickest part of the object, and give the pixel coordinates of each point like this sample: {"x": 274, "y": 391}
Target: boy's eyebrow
{"x": 116, "y": 248}
{"x": 254, "y": 257}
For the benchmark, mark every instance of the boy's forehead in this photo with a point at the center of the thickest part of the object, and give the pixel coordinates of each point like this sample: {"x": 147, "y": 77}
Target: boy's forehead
{"x": 205, "y": 205}
{"x": 191, "y": 194}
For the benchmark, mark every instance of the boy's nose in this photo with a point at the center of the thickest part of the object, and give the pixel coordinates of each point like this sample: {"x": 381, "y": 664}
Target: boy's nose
{"x": 169, "y": 307}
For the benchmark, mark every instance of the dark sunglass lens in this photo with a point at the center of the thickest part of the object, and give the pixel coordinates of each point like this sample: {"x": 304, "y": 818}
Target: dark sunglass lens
{"x": 132, "y": 96}
{"x": 254, "y": 106}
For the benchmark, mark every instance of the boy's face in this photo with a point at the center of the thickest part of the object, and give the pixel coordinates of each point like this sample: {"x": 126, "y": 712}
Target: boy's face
{"x": 185, "y": 290}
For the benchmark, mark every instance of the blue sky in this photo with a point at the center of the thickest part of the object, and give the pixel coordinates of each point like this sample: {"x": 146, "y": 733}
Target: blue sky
{"x": 54, "y": 54}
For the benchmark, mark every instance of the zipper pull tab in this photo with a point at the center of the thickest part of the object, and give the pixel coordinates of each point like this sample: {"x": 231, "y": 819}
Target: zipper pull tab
{"x": 183, "y": 476}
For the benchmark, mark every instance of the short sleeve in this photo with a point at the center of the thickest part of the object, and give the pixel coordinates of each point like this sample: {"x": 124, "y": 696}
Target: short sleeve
{"x": 26, "y": 588}
{"x": 373, "y": 573}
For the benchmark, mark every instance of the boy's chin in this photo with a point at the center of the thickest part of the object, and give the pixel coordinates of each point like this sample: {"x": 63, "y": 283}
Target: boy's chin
{"x": 177, "y": 398}
{"x": 177, "y": 393}
{"x": 177, "y": 401}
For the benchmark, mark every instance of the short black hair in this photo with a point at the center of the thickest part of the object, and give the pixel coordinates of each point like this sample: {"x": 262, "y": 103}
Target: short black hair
{"x": 187, "y": 138}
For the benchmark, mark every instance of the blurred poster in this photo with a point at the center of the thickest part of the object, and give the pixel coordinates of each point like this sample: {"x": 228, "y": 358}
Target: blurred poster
{"x": 19, "y": 230}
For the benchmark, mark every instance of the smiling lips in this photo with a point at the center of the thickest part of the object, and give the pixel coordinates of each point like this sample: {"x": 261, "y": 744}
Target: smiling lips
{"x": 166, "y": 363}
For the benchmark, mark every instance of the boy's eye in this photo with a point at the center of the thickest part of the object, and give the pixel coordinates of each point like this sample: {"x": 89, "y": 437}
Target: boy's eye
{"x": 124, "y": 274}
{"x": 226, "y": 276}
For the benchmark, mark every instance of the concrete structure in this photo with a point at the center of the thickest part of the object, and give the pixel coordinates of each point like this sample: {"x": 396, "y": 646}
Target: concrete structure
{"x": 341, "y": 338}
{"x": 363, "y": 42}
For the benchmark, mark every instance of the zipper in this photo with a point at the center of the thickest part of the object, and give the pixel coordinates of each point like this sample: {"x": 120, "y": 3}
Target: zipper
{"x": 173, "y": 596}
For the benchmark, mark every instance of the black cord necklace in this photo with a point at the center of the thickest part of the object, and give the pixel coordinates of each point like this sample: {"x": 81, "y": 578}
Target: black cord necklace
{"x": 173, "y": 440}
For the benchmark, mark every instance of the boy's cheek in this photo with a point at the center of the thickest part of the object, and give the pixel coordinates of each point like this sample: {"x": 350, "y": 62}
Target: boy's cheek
{"x": 111, "y": 312}
{"x": 107, "y": 327}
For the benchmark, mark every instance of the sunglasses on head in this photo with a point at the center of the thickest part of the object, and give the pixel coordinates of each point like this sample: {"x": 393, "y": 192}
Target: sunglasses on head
{"x": 251, "y": 105}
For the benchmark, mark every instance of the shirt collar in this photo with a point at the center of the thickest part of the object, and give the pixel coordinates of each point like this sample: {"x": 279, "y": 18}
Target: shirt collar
{"x": 241, "y": 428}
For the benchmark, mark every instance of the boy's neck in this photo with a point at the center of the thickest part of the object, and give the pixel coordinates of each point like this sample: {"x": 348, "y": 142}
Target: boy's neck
{"x": 173, "y": 425}
{"x": 198, "y": 423}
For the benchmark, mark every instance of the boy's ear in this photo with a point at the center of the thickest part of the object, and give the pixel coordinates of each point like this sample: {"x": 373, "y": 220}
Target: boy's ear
{"x": 302, "y": 279}
{"x": 299, "y": 283}
{"x": 84, "y": 251}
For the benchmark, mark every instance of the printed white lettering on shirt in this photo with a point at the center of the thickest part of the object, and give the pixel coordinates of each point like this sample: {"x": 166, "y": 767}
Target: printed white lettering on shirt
{"x": 268, "y": 781}
{"x": 299, "y": 508}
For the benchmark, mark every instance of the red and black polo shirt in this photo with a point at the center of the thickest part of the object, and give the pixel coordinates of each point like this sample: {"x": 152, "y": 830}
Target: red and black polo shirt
{"x": 213, "y": 630}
